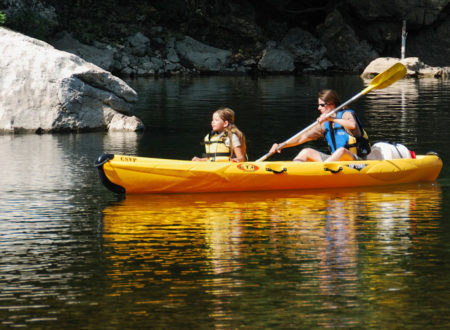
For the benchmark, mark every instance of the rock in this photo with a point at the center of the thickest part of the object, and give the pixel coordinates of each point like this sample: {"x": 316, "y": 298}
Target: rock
{"x": 415, "y": 68}
{"x": 172, "y": 55}
{"x": 237, "y": 18}
{"x": 139, "y": 44}
{"x": 427, "y": 23}
{"x": 48, "y": 90}
{"x": 101, "y": 55}
{"x": 345, "y": 35}
{"x": 416, "y": 12}
{"x": 304, "y": 46}
{"x": 344, "y": 49}
{"x": 432, "y": 45}
{"x": 277, "y": 60}
{"x": 201, "y": 56}
{"x": 120, "y": 122}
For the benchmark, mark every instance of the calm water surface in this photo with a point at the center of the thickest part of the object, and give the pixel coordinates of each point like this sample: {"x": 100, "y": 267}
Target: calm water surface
{"x": 74, "y": 255}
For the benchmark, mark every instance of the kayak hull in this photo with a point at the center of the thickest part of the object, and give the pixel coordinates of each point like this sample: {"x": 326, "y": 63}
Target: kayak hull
{"x": 137, "y": 175}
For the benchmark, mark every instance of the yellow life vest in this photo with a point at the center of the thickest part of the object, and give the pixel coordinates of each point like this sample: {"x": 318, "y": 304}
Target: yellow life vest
{"x": 217, "y": 147}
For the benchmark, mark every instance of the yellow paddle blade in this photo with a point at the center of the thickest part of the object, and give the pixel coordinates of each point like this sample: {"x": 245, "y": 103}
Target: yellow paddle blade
{"x": 386, "y": 78}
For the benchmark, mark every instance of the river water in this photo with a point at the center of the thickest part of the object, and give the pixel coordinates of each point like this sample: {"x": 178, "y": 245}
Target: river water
{"x": 75, "y": 255}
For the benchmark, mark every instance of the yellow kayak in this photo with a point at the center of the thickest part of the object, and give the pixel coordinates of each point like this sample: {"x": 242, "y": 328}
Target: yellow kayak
{"x": 137, "y": 175}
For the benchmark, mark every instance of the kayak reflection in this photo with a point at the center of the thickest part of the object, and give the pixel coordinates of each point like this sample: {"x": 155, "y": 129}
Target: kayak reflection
{"x": 310, "y": 243}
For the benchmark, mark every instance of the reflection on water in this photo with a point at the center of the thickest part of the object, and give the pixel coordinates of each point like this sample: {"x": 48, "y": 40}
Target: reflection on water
{"x": 313, "y": 252}
{"x": 118, "y": 142}
{"x": 72, "y": 254}
{"x": 409, "y": 102}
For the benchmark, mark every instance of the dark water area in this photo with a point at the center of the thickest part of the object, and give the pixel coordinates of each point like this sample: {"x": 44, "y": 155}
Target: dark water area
{"x": 75, "y": 255}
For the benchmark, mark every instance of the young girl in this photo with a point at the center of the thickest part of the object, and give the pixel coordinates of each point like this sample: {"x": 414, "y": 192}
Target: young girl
{"x": 225, "y": 142}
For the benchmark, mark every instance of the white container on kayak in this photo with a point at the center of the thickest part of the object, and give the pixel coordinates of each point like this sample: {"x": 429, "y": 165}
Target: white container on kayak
{"x": 386, "y": 151}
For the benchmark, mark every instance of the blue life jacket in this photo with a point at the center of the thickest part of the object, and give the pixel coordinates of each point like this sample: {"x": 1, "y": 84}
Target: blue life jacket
{"x": 337, "y": 137}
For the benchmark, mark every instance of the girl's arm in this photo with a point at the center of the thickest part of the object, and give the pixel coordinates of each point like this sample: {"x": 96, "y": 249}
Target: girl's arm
{"x": 239, "y": 155}
{"x": 198, "y": 159}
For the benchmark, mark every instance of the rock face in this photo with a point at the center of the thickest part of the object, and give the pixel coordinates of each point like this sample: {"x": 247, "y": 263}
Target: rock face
{"x": 344, "y": 49}
{"x": 276, "y": 60}
{"x": 416, "y": 12}
{"x": 101, "y": 55}
{"x": 201, "y": 56}
{"x": 47, "y": 90}
{"x": 238, "y": 36}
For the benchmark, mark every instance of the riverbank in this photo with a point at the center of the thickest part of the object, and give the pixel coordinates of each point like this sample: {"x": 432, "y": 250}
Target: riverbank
{"x": 237, "y": 37}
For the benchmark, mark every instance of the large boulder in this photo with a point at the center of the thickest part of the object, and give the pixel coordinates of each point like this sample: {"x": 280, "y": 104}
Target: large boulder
{"x": 344, "y": 48}
{"x": 415, "y": 68}
{"x": 307, "y": 49}
{"x": 276, "y": 60}
{"x": 47, "y": 90}
{"x": 201, "y": 56}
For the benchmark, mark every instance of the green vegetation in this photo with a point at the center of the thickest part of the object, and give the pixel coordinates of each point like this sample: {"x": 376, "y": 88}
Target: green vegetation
{"x": 2, "y": 18}
{"x": 31, "y": 23}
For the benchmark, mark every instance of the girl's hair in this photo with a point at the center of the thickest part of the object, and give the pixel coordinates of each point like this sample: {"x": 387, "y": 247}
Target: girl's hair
{"x": 329, "y": 96}
{"x": 228, "y": 115}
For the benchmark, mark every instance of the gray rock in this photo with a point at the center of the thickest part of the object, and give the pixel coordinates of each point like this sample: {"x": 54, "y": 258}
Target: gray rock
{"x": 416, "y": 12}
{"x": 344, "y": 49}
{"x": 172, "y": 55}
{"x": 100, "y": 55}
{"x": 427, "y": 22}
{"x": 432, "y": 45}
{"x": 139, "y": 44}
{"x": 304, "y": 46}
{"x": 415, "y": 68}
{"x": 158, "y": 64}
{"x": 48, "y": 90}
{"x": 277, "y": 60}
{"x": 120, "y": 122}
{"x": 201, "y": 56}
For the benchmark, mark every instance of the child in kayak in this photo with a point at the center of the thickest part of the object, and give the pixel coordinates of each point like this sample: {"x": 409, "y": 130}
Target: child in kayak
{"x": 225, "y": 142}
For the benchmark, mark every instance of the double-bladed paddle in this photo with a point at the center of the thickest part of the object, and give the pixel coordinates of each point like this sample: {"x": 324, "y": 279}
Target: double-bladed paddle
{"x": 382, "y": 80}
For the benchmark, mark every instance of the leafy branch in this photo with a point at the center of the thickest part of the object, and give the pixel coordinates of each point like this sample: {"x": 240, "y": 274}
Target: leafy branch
{"x": 2, "y": 18}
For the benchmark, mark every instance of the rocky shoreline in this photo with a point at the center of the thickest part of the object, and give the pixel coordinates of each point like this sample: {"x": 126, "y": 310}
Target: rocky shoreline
{"x": 46, "y": 90}
{"x": 185, "y": 55}
{"x": 66, "y": 85}
{"x": 238, "y": 37}
{"x": 189, "y": 56}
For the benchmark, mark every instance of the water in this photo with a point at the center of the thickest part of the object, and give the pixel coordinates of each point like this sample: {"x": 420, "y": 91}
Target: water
{"x": 74, "y": 255}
